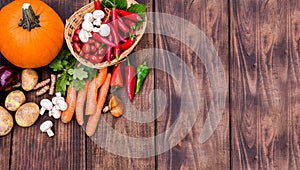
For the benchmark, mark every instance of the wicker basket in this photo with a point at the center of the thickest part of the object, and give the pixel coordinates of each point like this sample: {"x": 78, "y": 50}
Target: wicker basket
{"x": 77, "y": 18}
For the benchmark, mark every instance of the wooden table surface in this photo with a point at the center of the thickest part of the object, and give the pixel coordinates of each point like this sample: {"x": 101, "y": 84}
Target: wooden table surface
{"x": 257, "y": 42}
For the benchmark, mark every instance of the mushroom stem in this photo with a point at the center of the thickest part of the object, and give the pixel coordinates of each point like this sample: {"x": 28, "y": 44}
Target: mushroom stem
{"x": 50, "y": 133}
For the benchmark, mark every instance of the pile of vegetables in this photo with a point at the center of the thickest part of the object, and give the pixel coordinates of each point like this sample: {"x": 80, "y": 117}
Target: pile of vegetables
{"x": 78, "y": 89}
{"x": 108, "y": 31}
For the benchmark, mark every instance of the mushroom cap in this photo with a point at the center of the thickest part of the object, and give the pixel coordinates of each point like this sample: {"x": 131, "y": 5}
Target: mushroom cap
{"x": 46, "y": 125}
{"x": 56, "y": 99}
{"x": 46, "y": 103}
{"x": 83, "y": 36}
{"x": 98, "y": 14}
{"x": 87, "y": 25}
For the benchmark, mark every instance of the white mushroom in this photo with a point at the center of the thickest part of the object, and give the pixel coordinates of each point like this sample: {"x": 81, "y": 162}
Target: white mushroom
{"x": 96, "y": 29}
{"x": 46, "y": 104}
{"x": 88, "y": 17}
{"x": 56, "y": 99}
{"x": 83, "y": 36}
{"x": 46, "y": 127}
{"x": 97, "y": 22}
{"x": 62, "y": 105}
{"x": 58, "y": 94}
{"x": 104, "y": 30}
{"x": 56, "y": 113}
{"x": 87, "y": 25}
{"x": 98, "y": 14}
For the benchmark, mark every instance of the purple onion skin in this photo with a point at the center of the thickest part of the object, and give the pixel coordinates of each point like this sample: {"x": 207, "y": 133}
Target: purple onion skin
{"x": 9, "y": 75}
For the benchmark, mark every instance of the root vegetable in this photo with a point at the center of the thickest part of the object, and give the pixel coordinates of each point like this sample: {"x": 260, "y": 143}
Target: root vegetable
{"x": 91, "y": 99}
{"x": 41, "y": 84}
{"x": 29, "y": 78}
{"x": 6, "y": 121}
{"x": 93, "y": 120}
{"x": 52, "y": 86}
{"x": 115, "y": 107}
{"x": 42, "y": 90}
{"x": 67, "y": 115}
{"x": 81, "y": 97}
{"x": 14, "y": 100}
{"x": 27, "y": 114}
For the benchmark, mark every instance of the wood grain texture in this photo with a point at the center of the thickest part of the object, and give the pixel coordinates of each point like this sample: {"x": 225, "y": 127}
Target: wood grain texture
{"x": 265, "y": 84}
{"x": 128, "y": 124}
{"x": 211, "y": 17}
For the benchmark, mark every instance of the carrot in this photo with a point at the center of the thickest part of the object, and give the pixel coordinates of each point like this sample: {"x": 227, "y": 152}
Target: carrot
{"x": 93, "y": 120}
{"x": 67, "y": 115}
{"x": 91, "y": 96}
{"x": 81, "y": 96}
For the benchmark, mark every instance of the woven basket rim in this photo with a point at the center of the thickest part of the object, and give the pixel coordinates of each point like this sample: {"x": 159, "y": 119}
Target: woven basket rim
{"x": 77, "y": 17}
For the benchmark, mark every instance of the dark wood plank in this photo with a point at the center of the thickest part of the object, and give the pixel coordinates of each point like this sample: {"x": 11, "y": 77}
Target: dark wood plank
{"x": 103, "y": 158}
{"x": 211, "y": 17}
{"x": 5, "y": 141}
{"x": 32, "y": 149}
{"x": 265, "y": 84}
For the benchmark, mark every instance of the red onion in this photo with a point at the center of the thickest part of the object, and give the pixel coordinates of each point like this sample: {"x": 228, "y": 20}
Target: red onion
{"x": 9, "y": 76}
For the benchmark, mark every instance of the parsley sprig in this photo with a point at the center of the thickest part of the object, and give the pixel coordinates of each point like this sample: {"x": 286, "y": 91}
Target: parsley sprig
{"x": 65, "y": 63}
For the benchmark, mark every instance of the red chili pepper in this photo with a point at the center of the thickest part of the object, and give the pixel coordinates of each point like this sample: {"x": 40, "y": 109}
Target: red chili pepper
{"x": 114, "y": 17}
{"x": 129, "y": 15}
{"x": 122, "y": 26}
{"x": 106, "y": 19}
{"x": 109, "y": 48}
{"x": 130, "y": 77}
{"x": 130, "y": 23}
{"x": 127, "y": 44}
{"x": 117, "y": 47}
{"x": 123, "y": 37}
{"x": 97, "y": 4}
{"x": 101, "y": 39}
{"x": 116, "y": 77}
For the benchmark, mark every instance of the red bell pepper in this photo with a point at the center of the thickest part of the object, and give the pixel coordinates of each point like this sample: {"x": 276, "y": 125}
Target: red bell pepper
{"x": 116, "y": 77}
{"x": 130, "y": 77}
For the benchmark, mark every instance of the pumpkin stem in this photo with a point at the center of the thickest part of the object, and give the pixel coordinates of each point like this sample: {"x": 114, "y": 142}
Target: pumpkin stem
{"x": 29, "y": 20}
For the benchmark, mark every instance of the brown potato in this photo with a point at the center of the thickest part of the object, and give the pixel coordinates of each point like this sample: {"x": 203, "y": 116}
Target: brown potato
{"x": 6, "y": 121}
{"x": 29, "y": 78}
{"x": 27, "y": 114}
{"x": 14, "y": 100}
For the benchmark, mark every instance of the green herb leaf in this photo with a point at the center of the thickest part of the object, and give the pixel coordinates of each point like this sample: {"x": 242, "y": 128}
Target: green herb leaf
{"x": 78, "y": 73}
{"x": 77, "y": 84}
{"x": 120, "y": 4}
{"x": 137, "y": 8}
{"x": 92, "y": 72}
{"x": 62, "y": 82}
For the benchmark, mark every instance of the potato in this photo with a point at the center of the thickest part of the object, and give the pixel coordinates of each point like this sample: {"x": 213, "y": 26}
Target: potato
{"x": 29, "y": 78}
{"x": 6, "y": 121}
{"x": 27, "y": 114}
{"x": 14, "y": 100}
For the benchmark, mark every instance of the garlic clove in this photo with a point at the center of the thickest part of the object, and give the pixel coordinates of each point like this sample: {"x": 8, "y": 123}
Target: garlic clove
{"x": 88, "y": 17}
{"x": 98, "y": 14}
{"x": 87, "y": 25}
{"x": 104, "y": 30}
{"x": 83, "y": 36}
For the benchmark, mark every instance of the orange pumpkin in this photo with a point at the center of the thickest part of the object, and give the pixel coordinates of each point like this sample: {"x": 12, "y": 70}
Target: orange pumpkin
{"x": 28, "y": 47}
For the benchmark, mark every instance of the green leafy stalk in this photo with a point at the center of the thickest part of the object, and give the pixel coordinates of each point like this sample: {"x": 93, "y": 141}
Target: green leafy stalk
{"x": 65, "y": 63}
